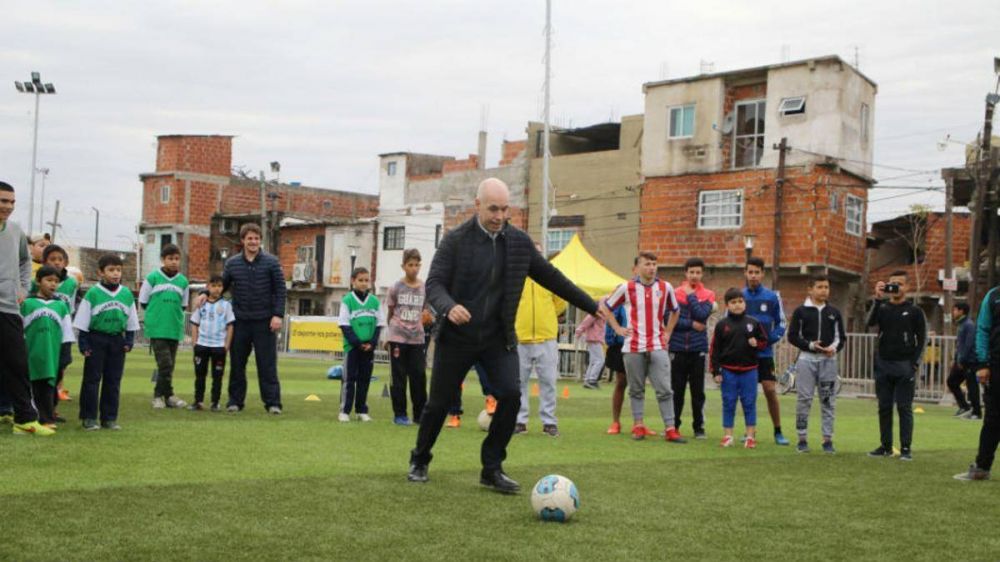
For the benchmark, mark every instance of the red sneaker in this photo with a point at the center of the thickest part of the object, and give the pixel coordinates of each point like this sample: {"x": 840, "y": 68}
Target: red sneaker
{"x": 454, "y": 422}
{"x": 639, "y": 432}
{"x": 750, "y": 443}
{"x": 727, "y": 441}
{"x": 615, "y": 428}
{"x": 674, "y": 436}
{"x": 649, "y": 432}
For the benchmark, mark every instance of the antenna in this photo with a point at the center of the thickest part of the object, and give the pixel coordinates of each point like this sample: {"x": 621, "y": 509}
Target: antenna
{"x": 707, "y": 66}
{"x": 664, "y": 70}
{"x": 857, "y": 58}
{"x": 786, "y": 52}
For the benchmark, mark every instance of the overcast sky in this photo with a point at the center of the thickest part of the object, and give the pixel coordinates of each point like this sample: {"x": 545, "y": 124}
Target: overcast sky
{"x": 323, "y": 87}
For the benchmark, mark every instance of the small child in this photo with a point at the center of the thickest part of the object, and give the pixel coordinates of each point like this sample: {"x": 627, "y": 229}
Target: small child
{"x": 817, "y": 329}
{"x": 107, "y": 321}
{"x": 361, "y": 321}
{"x": 212, "y": 334}
{"x": 47, "y": 326}
{"x": 57, "y": 257}
{"x": 163, "y": 295}
{"x": 737, "y": 340}
{"x": 591, "y": 329}
{"x": 405, "y": 303}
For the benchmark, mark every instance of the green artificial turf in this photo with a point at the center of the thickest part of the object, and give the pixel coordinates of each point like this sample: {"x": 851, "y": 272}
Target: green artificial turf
{"x": 181, "y": 485}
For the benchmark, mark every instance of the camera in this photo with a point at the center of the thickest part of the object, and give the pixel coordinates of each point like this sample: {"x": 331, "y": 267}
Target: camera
{"x": 892, "y": 288}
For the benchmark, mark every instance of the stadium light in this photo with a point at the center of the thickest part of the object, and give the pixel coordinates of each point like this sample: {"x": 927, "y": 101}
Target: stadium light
{"x": 35, "y": 87}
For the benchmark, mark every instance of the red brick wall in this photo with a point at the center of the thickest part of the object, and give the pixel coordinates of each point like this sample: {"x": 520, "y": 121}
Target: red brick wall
{"x": 155, "y": 212}
{"x": 210, "y": 154}
{"x": 198, "y": 253}
{"x": 451, "y": 166}
{"x": 811, "y": 233}
{"x": 244, "y": 197}
{"x": 511, "y": 150}
{"x": 934, "y": 246}
{"x": 291, "y": 239}
{"x": 736, "y": 94}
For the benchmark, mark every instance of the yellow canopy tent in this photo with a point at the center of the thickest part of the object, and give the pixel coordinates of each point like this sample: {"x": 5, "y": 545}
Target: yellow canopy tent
{"x": 576, "y": 263}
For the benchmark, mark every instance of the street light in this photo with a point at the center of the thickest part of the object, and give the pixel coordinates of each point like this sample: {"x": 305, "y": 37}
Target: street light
{"x": 97, "y": 225}
{"x": 748, "y": 245}
{"x": 41, "y": 210}
{"x": 37, "y": 88}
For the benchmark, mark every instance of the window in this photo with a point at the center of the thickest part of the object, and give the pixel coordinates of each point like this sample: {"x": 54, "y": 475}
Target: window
{"x": 748, "y": 142}
{"x": 558, "y": 239}
{"x": 682, "y": 122}
{"x": 437, "y": 235}
{"x": 308, "y": 307}
{"x": 305, "y": 254}
{"x": 720, "y": 209}
{"x": 165, "y": 193}
{"x": 166, "y": 239}
{"x": 390, "y": 169}
{"x": 327, "y": 205}
{"x": 865, "y": 118}
{"x": 392, "y": 238}
{"x": 792, "y": 106}
{"x": 854, "y": 208}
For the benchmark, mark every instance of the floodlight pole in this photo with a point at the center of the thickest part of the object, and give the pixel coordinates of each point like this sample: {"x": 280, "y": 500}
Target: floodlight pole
{"x": 545, "y": 134}
{"x": 34, "y": 156}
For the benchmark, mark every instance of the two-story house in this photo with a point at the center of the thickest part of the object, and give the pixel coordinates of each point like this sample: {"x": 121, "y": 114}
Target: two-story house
{"x": 711, "y": 167}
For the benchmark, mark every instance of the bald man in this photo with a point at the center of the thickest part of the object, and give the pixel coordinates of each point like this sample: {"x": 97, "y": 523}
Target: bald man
{"x": 474, "y": 287}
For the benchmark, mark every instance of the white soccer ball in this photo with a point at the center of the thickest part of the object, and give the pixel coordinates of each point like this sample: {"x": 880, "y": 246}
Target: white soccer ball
{"x": 554, "y": 498}
{"x": 484, "y": 419}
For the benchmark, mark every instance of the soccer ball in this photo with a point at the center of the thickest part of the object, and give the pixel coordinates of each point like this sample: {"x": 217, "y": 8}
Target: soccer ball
{"x": 484, "y": 420}
{"x": 554, "y": 498}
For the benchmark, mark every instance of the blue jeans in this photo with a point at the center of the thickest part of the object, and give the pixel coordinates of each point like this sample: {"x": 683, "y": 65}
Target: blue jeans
{"x": 742, "y": 387}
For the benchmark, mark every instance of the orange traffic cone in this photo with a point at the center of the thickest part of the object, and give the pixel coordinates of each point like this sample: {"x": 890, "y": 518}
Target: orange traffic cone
{"x": 565, "y": 392}
{"x": 534, "y": 389}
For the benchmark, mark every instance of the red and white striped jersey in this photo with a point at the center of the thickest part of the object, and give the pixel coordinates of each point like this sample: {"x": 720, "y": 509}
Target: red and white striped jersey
{"x": 647, "y": 307}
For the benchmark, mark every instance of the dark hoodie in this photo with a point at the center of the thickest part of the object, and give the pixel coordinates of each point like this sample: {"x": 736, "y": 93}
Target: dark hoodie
{"x": 731, "y": 349}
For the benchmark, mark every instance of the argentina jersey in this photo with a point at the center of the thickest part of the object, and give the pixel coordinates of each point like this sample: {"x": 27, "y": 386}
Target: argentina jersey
{"x": 212, "y": 319}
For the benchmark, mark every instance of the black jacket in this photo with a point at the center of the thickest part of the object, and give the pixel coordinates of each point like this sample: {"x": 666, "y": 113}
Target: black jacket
{"x": 731, "y": 347}
{"x": 487, "y": 276}
{"x": 257, "y": 287}
{"x": 902, "y": 330}
{"x": 809, "y": 324}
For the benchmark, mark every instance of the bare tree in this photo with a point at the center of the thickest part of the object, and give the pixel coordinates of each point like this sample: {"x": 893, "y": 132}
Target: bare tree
{"x": 915, "y": 236}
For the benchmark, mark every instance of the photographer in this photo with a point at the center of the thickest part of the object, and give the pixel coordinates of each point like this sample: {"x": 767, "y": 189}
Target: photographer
{"x": 901, "y": 340}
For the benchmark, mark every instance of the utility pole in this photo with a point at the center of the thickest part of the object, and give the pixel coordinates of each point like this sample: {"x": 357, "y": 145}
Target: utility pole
{"x": 55, "y": 223}
{"x": 991, "y": 224}
{"x": 981, "y": 178}
{"x": 263, "y": 212}
{"x": 779, "y": 184}
{"x": 41, "y": 210}
{"x": 545, "y": 134}
{"x": 97, "y": 227}
{"x": 949, "y": 273}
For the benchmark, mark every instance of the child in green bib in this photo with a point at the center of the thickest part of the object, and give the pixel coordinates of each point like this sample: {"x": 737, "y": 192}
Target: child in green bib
{"x": 67, "y": 290}
{"x": 361, "y": 320}
{"x": 164, "y": 295}
{"x": 47, "y": 326}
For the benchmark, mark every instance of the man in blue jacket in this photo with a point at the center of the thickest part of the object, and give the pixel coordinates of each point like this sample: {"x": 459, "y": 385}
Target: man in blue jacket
{"x": 765, "y": 306}
{"x": 689, "y": 344}
{"x": 257, "y": 284}
{"x": 963, "y": 369}
{"x": 988, "y": 367}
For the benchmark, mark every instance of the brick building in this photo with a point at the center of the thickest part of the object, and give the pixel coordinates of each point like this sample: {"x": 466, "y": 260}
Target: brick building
{"x": 193, "y": 200}
{"x": 710, "y": 173}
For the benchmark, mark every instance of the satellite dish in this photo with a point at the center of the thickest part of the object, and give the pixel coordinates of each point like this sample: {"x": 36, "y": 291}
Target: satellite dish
{"x": 727, "y": 123}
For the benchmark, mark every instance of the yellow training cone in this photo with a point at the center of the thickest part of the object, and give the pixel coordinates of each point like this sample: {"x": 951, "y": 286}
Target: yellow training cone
{"x": 534, "y": 389}
{"x": 312, "y": 398}
{"x": 895, "y": 452}
{"x": 918, "y": 410}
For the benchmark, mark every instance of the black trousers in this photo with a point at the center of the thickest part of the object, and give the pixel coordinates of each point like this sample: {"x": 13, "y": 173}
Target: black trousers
{"x": 358, "y": 366}
{"x": 14, "y": 369}
{"x": 165, "y": 353}
{"x": 65, "y": 358}
{"x": 409, "y": 364}
{"x": 956, "y": 377}
{"x": 102, "y": 377}
{"x": 45, "y": 400}
{"x": 895, "y": 384}
{"x": 205, "y": 357}
{"x": 989, "y": 436}
{"x": 451, "y": 363}
{"x": 255, "y": 335}
{"x": 688, "y": 368}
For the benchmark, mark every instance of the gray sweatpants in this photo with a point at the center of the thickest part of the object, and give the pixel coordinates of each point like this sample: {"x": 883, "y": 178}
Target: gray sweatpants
{"x": 544, "y": 359}
{"x": 596, "y": 365}
{"x": 811, "y": 372}
{"x": 656, "y": 366}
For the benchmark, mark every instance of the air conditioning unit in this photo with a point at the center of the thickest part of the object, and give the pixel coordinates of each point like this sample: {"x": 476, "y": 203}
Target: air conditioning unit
{"x": 229, "y": 226}
{"x": 300, "y": 273}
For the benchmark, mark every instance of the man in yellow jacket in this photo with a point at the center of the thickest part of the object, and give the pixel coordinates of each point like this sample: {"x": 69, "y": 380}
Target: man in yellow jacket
{"x": 537, "y": 325}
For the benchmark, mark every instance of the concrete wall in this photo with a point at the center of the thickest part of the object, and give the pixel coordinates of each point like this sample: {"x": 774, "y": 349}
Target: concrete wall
{"x": 602, "y": 187}
{"x": 663, "y": 156}
{"x": 419, "y": 222}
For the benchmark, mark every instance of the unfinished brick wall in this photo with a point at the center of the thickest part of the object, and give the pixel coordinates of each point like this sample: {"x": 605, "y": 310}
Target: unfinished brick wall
{"x": 451, "y": 166}
{"x": 203, "y": 154}
{"x": 813, "y": 234}
{"x": 291, "y": 239}
{"x": 733, "y": 95}
{"x": 934, "y": 247}
{"x": 511, "y": 150}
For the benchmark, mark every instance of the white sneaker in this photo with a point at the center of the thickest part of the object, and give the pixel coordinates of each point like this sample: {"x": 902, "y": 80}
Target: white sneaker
{"x": 274, "y": 410}
{"x": 159, "y": 403}
{"x": 343, "y": 417}
{"x": 364, "y": 417}
{"x": 175, "y": 402}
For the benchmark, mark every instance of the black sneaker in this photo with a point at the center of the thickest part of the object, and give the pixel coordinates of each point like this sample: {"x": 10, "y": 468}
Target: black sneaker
{"x": 550, "y": 430}
{"x": 216, "y": 407}
{"x": 882, "y": 451}
{"x": 196, "y": 407}
{"x": 828, "y": 448}
{"x": 974, "y": 473}
{"x": 803, "y": 446}
{"x": 520, "y": 428}
{"x": 418, "y": 473}
{"x": 591, "y": 386}
{"x": 500, "y": 482}
{"x": 700, "y": 434}
{"x": 961, "y": 412}
{"x": 905, "y": 454}
{"x": 91, "y": 425}
{"x": 111, "y": 424}
{"x": 58, "y": 419}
